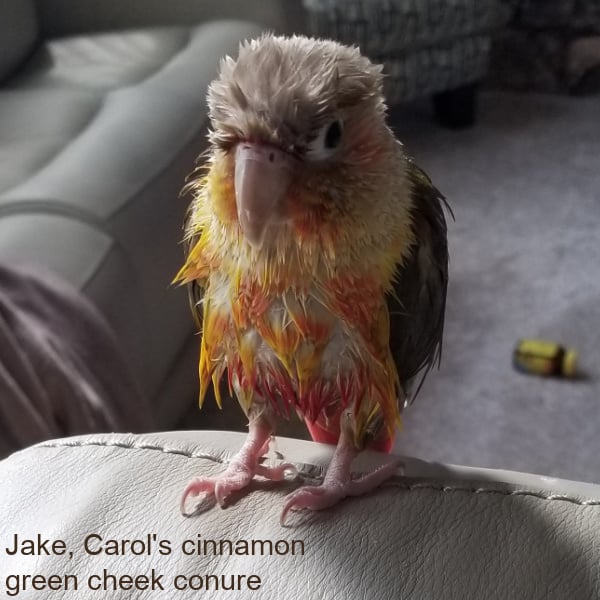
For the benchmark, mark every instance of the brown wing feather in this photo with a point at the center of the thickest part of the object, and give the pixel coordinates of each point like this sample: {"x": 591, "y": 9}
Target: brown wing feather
{"x": 418, "y": 303}
{"x": 194, "y": 288}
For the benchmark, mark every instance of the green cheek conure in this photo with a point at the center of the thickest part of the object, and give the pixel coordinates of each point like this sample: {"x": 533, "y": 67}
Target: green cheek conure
{"x": 317, "y": 260}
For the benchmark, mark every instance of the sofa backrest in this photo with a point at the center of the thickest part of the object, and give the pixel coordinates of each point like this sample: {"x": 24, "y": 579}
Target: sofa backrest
{"x": 69, "y": 17}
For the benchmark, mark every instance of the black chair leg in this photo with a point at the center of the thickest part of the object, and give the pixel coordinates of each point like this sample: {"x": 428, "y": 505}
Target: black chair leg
{"x": 456, "y": 108}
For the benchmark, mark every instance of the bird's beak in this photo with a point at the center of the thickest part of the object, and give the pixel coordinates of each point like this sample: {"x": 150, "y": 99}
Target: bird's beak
{"x": 262, "y": 177}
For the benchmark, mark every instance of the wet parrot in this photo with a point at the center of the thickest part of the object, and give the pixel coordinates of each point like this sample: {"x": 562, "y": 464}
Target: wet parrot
{"x": 316, "y": 260}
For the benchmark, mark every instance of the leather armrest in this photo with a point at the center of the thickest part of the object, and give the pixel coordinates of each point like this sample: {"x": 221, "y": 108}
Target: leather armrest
{"x": 439, "y": 532}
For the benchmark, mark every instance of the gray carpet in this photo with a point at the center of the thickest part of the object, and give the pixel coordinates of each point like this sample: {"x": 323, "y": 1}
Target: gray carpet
{"x": 524, "y": 184}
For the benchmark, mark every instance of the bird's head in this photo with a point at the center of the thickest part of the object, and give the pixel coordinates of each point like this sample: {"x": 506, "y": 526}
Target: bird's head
{"x": 298, "y": 126}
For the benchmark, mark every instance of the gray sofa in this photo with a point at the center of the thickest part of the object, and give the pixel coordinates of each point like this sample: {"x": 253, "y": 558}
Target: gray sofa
{"x": 102, "y": 114}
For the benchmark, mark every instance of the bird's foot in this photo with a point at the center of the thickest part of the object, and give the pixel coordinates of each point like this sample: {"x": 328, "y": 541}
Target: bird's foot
{"x": 236, "y": 477}
{"x": 336, "y": 488}
{"x": 241, "y": 469}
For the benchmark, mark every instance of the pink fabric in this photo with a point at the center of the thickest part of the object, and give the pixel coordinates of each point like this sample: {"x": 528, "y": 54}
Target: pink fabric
{"x": 61, "y": 371}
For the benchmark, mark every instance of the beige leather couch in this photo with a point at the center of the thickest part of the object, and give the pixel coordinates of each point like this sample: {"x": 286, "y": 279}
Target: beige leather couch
{"x": 102, "y": 114}
{"x": 440, "y": 533}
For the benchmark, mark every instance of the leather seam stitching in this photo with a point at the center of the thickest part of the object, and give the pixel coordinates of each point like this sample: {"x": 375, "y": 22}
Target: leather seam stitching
{"x": 492, "y": 491}
{"x": 129, "y": 446}
{"x": 410, "y": 487}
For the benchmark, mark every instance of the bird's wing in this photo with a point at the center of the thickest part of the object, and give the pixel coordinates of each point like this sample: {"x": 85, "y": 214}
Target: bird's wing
{"x": 195, "y": 287}
{"x": 195, "y": 295}
{"x": 417, "y": 303}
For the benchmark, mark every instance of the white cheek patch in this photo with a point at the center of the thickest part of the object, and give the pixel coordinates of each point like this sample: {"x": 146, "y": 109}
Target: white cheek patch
{"x": 321, "y": 147}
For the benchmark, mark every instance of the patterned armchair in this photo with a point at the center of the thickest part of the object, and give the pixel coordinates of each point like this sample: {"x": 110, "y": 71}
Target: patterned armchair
{"x": 436, "y": 48}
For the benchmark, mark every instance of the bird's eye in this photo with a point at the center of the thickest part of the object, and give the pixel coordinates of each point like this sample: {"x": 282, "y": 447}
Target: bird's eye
{"x": 328, "y": 139}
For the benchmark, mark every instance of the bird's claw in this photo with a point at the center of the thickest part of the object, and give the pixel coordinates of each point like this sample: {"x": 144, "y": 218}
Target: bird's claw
{"x": 313, "y": 498}
{"x": 195, "y": 487}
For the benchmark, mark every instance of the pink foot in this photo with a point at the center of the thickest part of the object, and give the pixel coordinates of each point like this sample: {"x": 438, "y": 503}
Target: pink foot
{"x": 240, "y": 471}
{"x": 338, "y": 482}
{"x": 331, "y": 492}
{"x": 236, "y": 477}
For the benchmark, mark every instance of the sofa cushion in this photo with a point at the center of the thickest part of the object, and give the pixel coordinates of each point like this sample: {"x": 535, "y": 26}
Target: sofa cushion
{"x": 21, "y": 242}
{"x": 36, "y": 125}
{"x": 18, "y": 34}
